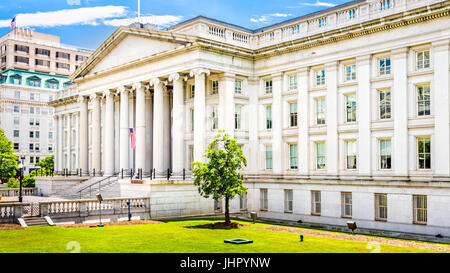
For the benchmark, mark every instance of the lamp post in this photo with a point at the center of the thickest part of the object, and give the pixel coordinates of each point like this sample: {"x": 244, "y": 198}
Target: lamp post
{"x": 20, "y": 181}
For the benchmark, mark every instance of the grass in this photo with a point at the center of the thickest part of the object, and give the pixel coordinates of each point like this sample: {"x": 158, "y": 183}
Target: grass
{"x": 184, "y": 236}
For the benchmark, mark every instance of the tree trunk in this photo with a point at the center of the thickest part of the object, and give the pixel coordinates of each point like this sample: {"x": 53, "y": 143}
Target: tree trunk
{"x": 227, "y": 211}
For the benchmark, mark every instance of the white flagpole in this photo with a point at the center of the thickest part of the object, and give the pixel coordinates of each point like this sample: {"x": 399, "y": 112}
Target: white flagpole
{"x": 139, "y": 11}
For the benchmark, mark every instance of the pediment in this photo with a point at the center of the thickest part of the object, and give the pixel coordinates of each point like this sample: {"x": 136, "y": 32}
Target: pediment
{"x": 130, "y": 49}
{"x": 126, "y": 46}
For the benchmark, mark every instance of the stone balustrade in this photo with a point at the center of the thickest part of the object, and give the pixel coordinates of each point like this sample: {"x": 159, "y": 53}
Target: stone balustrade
{"x": 303, "y": 27}
{"x": 11, "y": 192}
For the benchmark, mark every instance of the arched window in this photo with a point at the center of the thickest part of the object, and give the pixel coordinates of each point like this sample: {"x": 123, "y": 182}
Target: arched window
{"x": 53, "y": 84}
{"x": 34, "y": 81}
{"x": 15, "y": 79}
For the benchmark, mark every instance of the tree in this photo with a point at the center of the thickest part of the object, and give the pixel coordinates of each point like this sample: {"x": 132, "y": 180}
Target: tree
{"x": 219, "y": 177}
{"x": 8, "y": 161}
{"x": 47, "y": 163}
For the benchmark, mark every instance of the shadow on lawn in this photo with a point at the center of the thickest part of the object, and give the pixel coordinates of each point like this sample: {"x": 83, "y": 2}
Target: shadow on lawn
{"x": 219, "y": 225}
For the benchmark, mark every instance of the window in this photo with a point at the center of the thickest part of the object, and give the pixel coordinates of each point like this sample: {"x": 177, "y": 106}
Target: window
{"x": 237, "y": 117}
{"x": 322, "y": 22}
{"x": 214, "y": 87}
{"x": 385, "y": 4}
{"x": 16, "y": 133}
{"x": 385, "y": 66}
{"x": 293, "y": 156}
{"x": 31, "y": 110}
{"x": 351, "y": 108}
{"x": 423, "y": 59}
{"x": 350, "y": 72}
{"x": 264, "y": 201}
{"x": 320, "y": 111}
{"x": 38, "y": 110}
{"x": 31, "y": 134}
{"x": 31, "y": 158}
{"x": 50, "y": 135}
{"x": 53, "y": 84}
{"x": 62, "y": 55}
{"x": 16, "y": 146}
{"x": 346, "y": 204}
{"x": 16, "y": 120}
{"x": 351, "y": 154}
{"x": 50, "y": 147}
{"x": 192, "y": 91}
{"x": 296, "y": 29}
{"x": 20, "y": 59}
{"x": 320, "y": 77}
{"x": 16, "y": 109}
{"x": 292, "y": 82}
{"x": 315, "y": 203}
{"x": 385, "y": 154}
{"x": 32, "y": 96}
{"x": 243, "y": 201}
{"x": 80, "y": 58}
{"x": 17, "y": 94}
{"x": 424, "y": 153}
{"x": 16, "y": 79}
{"x": 21, "y": 48}
{"x": 214, "y": 118}
{"x": 423, "y": 100}
{"x": 37, "y": 122}
{"x": 192, "y": 120}
{"x": 36, "y": 134}
{"x": 36, "y": 148}
{"x": 268, "y": 87}
{"x": 385, "y": 104}
{"x": 293, "y": 114}
{"x": 320, "y": 155}
{"x": 31, "y": 149}
{"x": 31, "y": 121}
{"x": 380, "y": 207}
{"x": 238, "y": 87}
{"x": 272, "y": 36}
{"x": 42, "y": 63}
{"x": 62, "y": 65}
{"x": 420, "y": 209}
{"x": 268, "y": 157}
{"x": 50, "y": 98}
{"x": 40, "y": 51}
{"x": 288, "y": 200}
{"x": 269, "y": 117}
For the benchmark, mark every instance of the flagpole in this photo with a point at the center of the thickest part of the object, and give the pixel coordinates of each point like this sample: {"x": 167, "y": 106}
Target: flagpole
{"x": 139, "y": 11}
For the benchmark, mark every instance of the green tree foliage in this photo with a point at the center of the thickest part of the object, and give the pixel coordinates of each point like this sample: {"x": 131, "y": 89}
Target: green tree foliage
{"x": 8, "y": 161}
{"x": 29, "y": 180}
{"x": 47, "y": 163}
{"x": 13, "y": 183}
{"x": 219, "y": 177}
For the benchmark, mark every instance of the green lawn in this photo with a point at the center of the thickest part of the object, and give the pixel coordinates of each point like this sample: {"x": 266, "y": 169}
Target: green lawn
{"x": 175, "y": 237}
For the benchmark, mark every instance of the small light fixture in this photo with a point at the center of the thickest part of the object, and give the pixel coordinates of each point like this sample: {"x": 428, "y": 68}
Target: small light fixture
{"x": 352, "y": 225}
{"x": 100, "y": 200}
{"x": 301, "y": 237}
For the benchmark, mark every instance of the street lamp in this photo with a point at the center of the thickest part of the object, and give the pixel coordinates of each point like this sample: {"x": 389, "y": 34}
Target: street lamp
{"x": 20, "y": 180}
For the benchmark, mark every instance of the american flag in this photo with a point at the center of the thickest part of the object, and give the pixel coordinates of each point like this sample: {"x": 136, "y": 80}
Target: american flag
{"x": 133, "y": 138}
{"x": 13, "y": 23}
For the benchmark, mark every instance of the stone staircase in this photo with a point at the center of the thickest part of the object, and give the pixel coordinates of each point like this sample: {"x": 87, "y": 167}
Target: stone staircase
{"x": 35, "y": 221}
{"x": 108, "y": 186}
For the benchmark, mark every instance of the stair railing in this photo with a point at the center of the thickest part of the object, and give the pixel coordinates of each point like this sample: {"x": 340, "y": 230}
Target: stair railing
{"x": 97, "y": 183}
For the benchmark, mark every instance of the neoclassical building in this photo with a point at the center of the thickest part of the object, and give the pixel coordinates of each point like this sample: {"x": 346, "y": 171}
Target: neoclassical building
{"x": 342, "y": 114}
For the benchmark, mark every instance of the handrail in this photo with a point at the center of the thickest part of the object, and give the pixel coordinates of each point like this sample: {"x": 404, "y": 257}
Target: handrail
{"x": 98, "y": 182}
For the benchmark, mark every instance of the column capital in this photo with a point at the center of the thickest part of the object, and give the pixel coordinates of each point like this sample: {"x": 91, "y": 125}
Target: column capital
{"x": 123, "y": 89}
{"x": 82, "y": 99}
{"x": 138, "y": 85}
{"x": 199, "y": 71}
{"x": 177, "y": 76}
{"x": 156, "y": 81}
{"x": 95, "y": 96}
{"x": 108, "y": 93}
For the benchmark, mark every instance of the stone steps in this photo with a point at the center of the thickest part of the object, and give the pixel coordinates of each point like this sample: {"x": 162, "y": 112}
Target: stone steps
{"x": 35, "y": 221}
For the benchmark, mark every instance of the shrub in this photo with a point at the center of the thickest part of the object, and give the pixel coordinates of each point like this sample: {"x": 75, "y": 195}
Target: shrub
{"x": 13, "y": 183}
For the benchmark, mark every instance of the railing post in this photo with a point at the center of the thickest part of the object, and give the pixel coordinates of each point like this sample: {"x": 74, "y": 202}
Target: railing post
{"x": 168, "y": 174}
{"x": 122, "y": 173}
{"x": 154, "y": 173}
{"x": 184, "y": 174}
{"x": 94, "y": 172}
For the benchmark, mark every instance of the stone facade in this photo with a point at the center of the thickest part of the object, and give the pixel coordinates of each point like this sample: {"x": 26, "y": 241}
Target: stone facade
{"x": 342, "y": 114}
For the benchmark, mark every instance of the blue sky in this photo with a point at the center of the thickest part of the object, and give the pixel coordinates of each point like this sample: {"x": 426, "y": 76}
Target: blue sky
{"x": 87, "y": 23}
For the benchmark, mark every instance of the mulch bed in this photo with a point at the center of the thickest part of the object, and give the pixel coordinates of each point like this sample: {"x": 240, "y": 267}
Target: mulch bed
{"x": 121, "y": 223}
{"x": 10, "y": 227}
{"x": 222, "y": 225}
{"x": 358, "y": 238}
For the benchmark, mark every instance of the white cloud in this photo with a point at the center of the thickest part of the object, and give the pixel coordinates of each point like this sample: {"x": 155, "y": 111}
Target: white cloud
{"x": 80, "y": 16}
{"x": 160, "y": 20}
{"x": 317, "y": 4}
{"x": 73, "y": 2}
{"x": 268, "y": 17}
